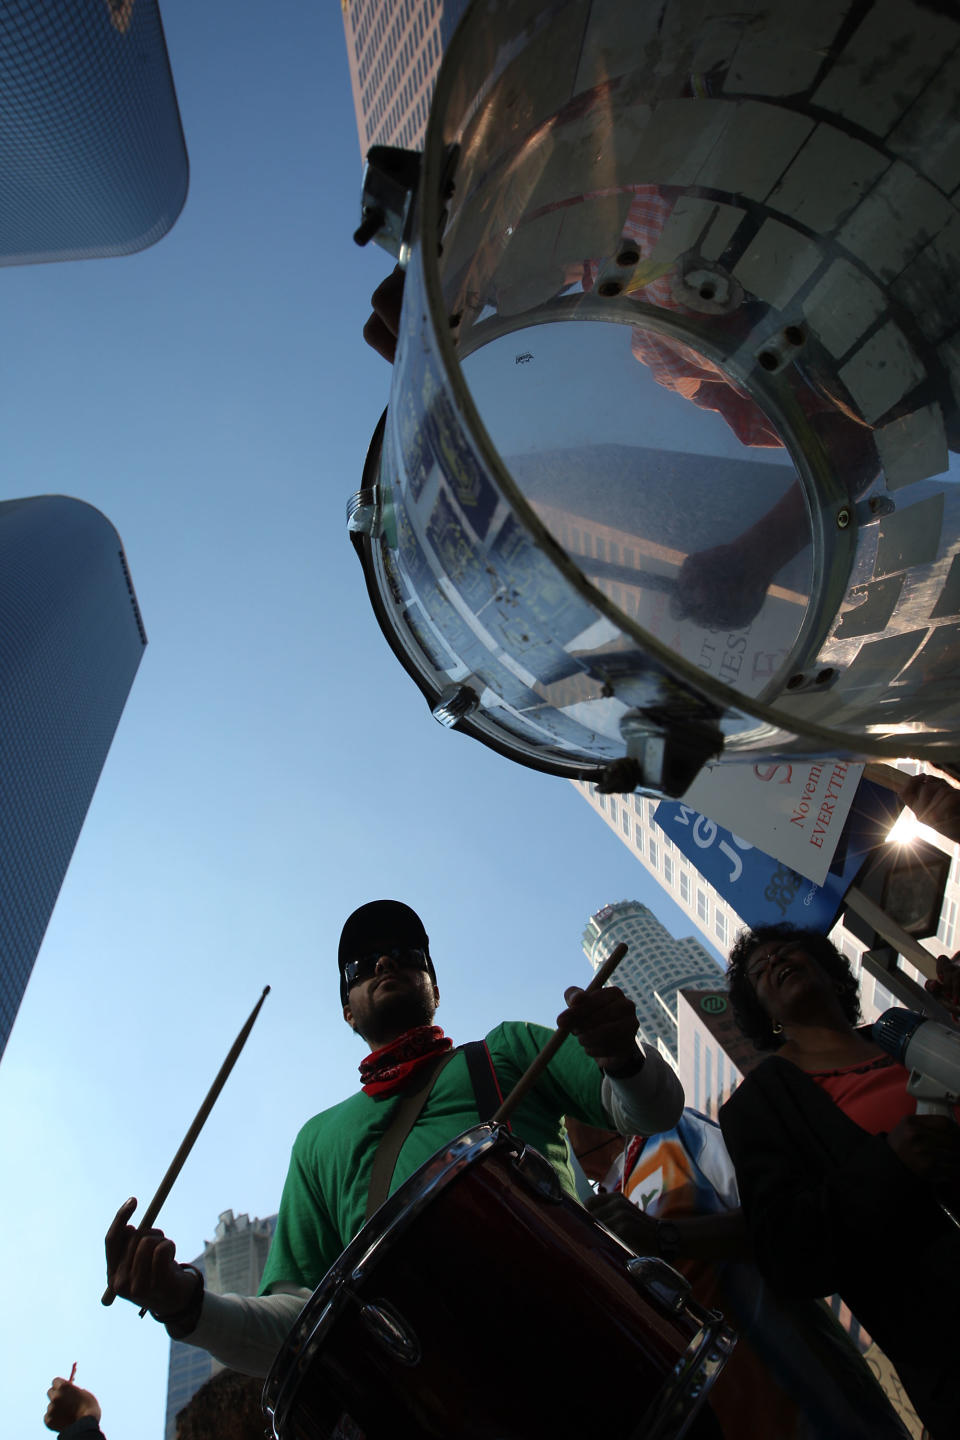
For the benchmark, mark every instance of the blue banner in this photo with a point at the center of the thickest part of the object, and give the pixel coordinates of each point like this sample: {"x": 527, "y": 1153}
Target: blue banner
{"x": 765, "y": 891}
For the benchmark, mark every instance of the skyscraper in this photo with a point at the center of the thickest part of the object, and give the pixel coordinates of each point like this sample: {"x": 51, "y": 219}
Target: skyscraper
{"x": 92, "y": 155}
{"x": 71, "y": 638}
{"x": 394, "y": 49}
{"x": 232, "y": 1263}
{"x": 654, "y": 969}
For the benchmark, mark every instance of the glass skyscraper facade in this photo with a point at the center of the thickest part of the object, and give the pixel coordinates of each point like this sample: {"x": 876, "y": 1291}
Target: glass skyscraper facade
{"x": 394, "y": 49}
{"x": 71, "y": 639}
{"x": 92, "y": 155}
{"x": 232, "y": 1264}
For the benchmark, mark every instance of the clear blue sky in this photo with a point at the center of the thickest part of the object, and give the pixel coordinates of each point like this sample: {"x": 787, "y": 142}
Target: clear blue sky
{"x": 274, "y": 766}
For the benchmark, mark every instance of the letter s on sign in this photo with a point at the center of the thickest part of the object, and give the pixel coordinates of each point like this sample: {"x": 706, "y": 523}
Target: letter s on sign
{"x": 767, "y": 772}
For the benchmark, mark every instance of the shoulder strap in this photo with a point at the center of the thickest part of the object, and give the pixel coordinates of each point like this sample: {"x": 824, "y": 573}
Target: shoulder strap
{"x": 391, "y": 1142}
{"x": 483, "y": 1078}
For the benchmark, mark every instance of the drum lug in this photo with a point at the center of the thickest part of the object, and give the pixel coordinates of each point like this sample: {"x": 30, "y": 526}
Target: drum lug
{"x": 665, "y": 1283}
{"x": 538, "y": 1173}
{"x": 391, "y": 1332}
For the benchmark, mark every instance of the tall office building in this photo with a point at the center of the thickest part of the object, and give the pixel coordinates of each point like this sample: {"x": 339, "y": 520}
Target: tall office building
{"x": 232, "y": 1263}
{"x": 71, "y": 638}
{"x": 655, "y": 968}
{"x": 92, "y": 155}
{"x": 394, "y": 49}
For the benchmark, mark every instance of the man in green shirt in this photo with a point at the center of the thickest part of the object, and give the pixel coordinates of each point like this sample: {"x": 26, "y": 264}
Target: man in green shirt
{"x": 389, "y": 993}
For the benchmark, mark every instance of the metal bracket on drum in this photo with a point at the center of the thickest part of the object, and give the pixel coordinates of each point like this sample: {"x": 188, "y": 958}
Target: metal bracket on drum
{"x": 538, "y": 1173}
{"x": 668, "y": 1285}
{"x": 390, "y": 183}
{"x": 391, "y": 1332}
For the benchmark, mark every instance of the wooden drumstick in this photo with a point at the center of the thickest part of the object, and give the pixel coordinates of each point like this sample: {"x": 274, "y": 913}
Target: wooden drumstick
{"x": 533, "y": 1071}
{"x": 177, "y": 1163}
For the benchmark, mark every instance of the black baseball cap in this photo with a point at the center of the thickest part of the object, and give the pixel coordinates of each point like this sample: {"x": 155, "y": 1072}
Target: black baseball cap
{"x": 386, "y": 923}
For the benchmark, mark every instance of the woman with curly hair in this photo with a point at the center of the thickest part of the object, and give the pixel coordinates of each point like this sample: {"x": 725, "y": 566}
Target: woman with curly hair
{"x": 841, "y": 1181}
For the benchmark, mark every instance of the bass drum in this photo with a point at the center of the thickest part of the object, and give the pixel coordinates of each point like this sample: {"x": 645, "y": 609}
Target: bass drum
{"x": 481, "y": 1302}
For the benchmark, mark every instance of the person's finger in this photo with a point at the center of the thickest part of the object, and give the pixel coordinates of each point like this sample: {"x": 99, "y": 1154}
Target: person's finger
{"x": 117, "y": 1238}
{"x": 387, "y": 299}
{"x": 141, "y": 1263}
{"x": 380, "y": 338}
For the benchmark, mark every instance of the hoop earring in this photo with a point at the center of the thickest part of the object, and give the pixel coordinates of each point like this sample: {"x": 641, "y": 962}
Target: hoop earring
{"x": 777, "y": 1028}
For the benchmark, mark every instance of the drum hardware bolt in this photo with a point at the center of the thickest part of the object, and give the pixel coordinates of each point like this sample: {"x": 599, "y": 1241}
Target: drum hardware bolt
{"x": 455, "y": 703}
{"x": 372, "y": 221}
{"x": 708, "y": 285}
{"x": 794, "y": 335}
{"x": 609, "y": 288}
{"x": 363, "y": 514}
{"x": 818, "y": 679}
{"x": 388, "y": 1327}
{"x": 874, "y": 509}
{"x": 628, "y": 258}
{"x": 843, "y": 517}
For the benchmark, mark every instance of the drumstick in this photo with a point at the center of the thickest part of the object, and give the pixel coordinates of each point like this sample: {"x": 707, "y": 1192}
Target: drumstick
{"x": 177, "y": 1163}
{"x": 533, "y": 1071}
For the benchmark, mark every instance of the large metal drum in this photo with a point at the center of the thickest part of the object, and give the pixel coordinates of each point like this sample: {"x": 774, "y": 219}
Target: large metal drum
{"x": 481, "y": 1303}
{"x": 669, "y": 467}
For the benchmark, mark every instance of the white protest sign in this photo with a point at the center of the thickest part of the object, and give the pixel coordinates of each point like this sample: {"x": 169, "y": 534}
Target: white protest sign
{"x": 792, "y": 811}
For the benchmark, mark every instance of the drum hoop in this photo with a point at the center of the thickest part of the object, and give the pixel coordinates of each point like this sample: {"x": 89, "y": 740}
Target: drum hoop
{"x": 692, "y": 1378}
{"x": 396, "y": 1213}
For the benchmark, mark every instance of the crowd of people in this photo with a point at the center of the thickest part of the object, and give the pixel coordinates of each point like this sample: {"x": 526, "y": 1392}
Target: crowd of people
{"x": 820, "y": 1179}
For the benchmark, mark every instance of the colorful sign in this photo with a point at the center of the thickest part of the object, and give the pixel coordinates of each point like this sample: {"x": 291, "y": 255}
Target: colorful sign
{"x": 764, "y": 890}
{"x": 793, "y": 811}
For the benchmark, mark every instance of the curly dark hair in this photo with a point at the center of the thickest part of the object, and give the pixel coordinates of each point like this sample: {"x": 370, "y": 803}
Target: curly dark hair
{"x": 226, "y": 1407}
{"x": 749, "y": 1013}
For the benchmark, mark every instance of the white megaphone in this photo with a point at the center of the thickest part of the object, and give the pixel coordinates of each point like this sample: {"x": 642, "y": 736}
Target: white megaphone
{"x": 930, "y": 1051}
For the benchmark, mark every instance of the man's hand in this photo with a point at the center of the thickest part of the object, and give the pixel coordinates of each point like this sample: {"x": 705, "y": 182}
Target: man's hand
{"x": 935, "y": 802}
{"x": 605, "y": 1023}
{"x": 929, "y": 1146}
{"x": 627, "y": 1222}
{"x": 383, "y": 327}
{"x": 143, "y": 1268}
{"x": 67, "y": 1404}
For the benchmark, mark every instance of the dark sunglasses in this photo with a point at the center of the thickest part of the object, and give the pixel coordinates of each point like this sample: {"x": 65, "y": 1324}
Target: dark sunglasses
{"x": 365, "y": 965}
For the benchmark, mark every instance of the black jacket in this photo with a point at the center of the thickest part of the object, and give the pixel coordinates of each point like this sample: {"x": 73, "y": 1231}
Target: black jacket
{"x": 832, "y": 1210}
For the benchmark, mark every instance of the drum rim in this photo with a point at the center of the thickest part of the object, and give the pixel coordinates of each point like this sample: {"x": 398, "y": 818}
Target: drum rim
{"x": 395, "y": 1214}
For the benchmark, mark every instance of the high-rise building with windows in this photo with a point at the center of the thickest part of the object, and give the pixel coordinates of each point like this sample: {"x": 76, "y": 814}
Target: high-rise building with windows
{"x": 394, "y": 49}
{"x": 655, "y": 968}
{"x": 71, "y": 639}
{"x": 92, "y": 155}
{"x": 232, "y": 1264}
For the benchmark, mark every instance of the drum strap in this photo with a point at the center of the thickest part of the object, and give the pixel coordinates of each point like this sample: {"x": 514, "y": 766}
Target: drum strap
{"x": 391, "y": 1143}
{"x": 486, "y": 1090}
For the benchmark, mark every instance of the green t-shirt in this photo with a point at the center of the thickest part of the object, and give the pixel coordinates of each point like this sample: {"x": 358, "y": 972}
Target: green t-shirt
{"x": 325, "y": 1195}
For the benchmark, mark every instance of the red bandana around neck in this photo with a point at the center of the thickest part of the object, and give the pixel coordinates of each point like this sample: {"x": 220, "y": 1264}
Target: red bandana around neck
{"x": 389, "y": 1068}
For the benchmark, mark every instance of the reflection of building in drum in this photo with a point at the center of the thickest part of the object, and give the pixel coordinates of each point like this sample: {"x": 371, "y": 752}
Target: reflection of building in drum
{"x": 232, "y": 1264}
{"x": 654, "y": 969}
